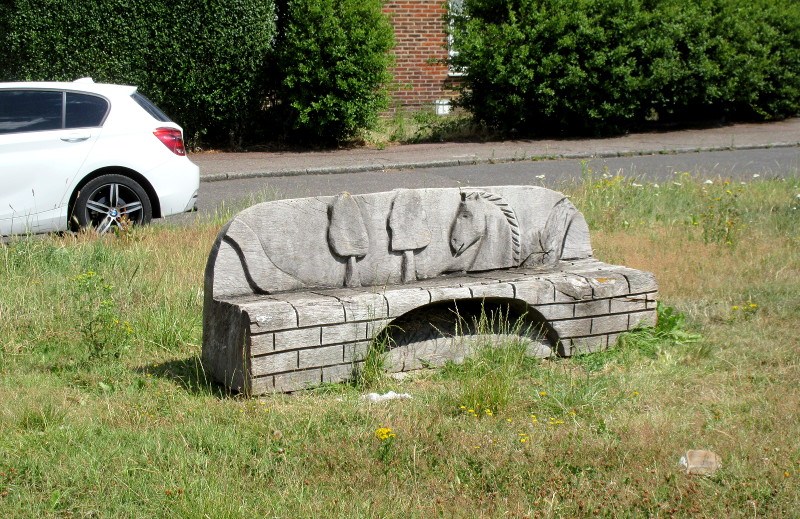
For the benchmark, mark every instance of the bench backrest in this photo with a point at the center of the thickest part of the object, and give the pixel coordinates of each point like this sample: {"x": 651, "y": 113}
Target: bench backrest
{"x": 392, "y": 237}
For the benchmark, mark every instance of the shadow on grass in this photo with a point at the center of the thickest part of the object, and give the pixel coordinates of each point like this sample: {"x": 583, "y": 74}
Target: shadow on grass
{"x": 188, "y": 374}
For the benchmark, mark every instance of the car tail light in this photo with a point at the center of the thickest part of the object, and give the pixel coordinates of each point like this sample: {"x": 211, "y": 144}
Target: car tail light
{"x": 172, "y": 139}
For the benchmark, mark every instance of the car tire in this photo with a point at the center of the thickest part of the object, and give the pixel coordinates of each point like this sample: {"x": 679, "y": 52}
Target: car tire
{"x": 111, "y": 201}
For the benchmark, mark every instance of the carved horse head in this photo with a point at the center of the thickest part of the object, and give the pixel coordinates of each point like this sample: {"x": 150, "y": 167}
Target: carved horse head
{"x": 470, "y": 223}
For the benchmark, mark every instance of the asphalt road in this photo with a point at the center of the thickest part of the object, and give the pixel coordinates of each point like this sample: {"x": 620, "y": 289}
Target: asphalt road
{"x": 738, "y": 165}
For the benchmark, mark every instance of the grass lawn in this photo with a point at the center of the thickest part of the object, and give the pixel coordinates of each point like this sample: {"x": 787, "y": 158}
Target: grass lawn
{"x": 105, "y": 410}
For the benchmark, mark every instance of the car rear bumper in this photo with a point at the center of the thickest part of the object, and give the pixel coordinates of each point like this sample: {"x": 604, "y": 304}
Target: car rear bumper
{"x": 176, "y": 182}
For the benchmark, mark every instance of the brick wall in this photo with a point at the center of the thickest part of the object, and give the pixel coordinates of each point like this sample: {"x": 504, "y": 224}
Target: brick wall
{"x": 421, "y": 77}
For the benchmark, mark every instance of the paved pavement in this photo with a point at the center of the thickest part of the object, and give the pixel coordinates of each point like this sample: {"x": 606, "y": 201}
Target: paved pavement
{"x": 222, "y": 166}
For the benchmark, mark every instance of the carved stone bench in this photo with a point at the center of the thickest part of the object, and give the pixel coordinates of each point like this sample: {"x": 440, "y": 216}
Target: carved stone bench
{"x": 297, "y": 290}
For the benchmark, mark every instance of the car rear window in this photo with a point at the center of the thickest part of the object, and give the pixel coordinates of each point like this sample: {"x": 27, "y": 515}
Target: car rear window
{"x": 84, "y": 111}
{"x": 30, "y": 110}
{"x": 150, "y": 108}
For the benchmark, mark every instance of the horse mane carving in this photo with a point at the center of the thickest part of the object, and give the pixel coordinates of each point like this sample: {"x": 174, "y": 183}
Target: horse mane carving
{"x": 471, "y": 226}
{"x": 511, "y": 218}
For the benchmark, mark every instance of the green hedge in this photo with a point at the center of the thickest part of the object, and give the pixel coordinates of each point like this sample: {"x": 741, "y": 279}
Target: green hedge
{"x": 332, "y": 69}
{"x": 606, "y": 66}
{"x": 201, "y": 61}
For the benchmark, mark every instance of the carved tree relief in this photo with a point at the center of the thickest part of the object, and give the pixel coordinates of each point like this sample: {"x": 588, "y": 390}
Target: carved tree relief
{"x": 347, "y": 235}
{"x": 408, "y": 223}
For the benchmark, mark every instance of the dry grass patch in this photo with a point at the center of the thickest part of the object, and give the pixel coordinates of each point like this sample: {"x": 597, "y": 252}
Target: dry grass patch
{"x": 129, "y": 426}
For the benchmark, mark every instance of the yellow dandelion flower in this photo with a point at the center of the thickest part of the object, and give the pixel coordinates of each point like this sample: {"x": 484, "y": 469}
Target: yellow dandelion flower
{"x": 384, "y": 433}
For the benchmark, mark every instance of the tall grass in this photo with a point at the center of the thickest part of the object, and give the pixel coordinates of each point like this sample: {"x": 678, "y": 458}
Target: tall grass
{"x": 115, "y": 419}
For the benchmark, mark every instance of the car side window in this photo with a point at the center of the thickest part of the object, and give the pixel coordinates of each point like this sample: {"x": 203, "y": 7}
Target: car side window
{"x": 150, "y": 108}
{"x": 30, "y": 110}
{"x": 85, "y": 111}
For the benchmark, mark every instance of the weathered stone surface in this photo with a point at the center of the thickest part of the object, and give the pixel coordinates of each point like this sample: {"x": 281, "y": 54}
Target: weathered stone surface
{"x": 314, "y": 242}
{"x": 271, "y": 314}
{"x": 314, "y": 310}
{"x": 556, "y": 311}
{"x": 340, "y": 373}
{"x": 642, "y": 319}
{"x": 449, "y": 293}
{"x": 261, "y": 385}
{"x": 323, "y": 356}
{"x": 496, "y": 290}
{"x": 570, "y": 287}
{"x": 298, "y": 380}
{"x": 609, "y": 323}
{"x": 401, "y": 301}
{"x": 540, "y": 349}
{"x": 572, "y": 327}
{"x": 299, "y": 338}
{"x": 640, "y": 281}
{"x": 356, "y": 351}
{"x": 262, "y": 343}
{"x": 535, "y": 291}
{"x": 581, "y": 345}
{"x": 589, "y": 308}
{"x": 607, "y": 284}
{"x": 225, "y": 330}
{"x": 345, "y": 332}
{"x": 274, "y": 363}
{"x": 632, "y": 303}
{"x": 377, "y": 326}
{"x": 365, "y": 307}
{"x": 297, "y": 290}
{"x": 652, "y": 300}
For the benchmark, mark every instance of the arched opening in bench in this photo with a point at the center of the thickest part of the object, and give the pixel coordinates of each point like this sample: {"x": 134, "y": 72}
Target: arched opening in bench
{"x": 434, "y": 334}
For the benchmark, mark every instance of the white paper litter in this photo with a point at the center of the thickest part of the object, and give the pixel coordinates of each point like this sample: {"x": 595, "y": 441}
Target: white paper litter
{"x": 701, "y": 462}
{"x": 391, "y": 395}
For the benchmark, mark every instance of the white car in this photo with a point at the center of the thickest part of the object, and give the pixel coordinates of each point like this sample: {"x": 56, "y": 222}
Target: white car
{"x": 85, "y": 154}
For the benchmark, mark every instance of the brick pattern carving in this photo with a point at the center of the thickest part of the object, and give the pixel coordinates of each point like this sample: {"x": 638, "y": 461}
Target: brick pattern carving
{"x": 296, "y": 340}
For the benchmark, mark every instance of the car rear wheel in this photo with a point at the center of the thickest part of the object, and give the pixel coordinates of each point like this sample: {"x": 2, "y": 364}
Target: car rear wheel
{"x": 112, "y": 201}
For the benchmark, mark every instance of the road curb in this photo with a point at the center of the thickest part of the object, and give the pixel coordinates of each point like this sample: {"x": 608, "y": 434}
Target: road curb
{"x": 389, "y": 166}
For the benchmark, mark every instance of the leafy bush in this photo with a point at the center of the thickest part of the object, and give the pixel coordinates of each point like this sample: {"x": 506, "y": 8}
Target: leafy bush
{"x": 5, "y": 51}
{"x": 603, "y": 66}
{"x": 332, "y": 68}
{"x": 203, "y": 63}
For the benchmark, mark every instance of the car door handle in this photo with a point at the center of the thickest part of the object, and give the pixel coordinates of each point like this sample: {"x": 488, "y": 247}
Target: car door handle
{"x": 76, "y": 137}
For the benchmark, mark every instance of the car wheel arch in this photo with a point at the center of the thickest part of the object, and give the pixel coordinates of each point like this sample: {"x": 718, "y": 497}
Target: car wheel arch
{"x": 118, "y": 170}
